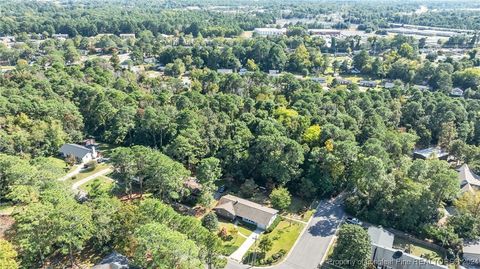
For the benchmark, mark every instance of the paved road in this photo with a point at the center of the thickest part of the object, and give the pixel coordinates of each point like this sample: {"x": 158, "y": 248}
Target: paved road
{"x": 313, "y": 244}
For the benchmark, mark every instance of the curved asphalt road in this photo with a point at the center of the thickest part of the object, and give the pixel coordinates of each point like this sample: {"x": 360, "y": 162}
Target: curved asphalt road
{"x": 312, "y": 246}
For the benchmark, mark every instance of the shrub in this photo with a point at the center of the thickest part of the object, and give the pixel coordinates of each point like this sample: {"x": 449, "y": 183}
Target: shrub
{"x": 278, "y": 255}
{"x": 274, "y": 225}
{"x": 210, "y": 221}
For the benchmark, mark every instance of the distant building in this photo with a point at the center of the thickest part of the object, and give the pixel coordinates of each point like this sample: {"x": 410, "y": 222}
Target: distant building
{"x": 150, "y": 60}
{"x": 270, "y": 31}
{"x": 126, "y": 36}
{"x": 421, "y": 87}
{"x": 232, "y": 207}
{"x": 80, "y": 153}
{"x": 243, "y": 71}
{"x": 355, "y": 71}
{"x": 430, "y": 153}
{"x": 225, "y": 71}
{"x": 457, "y": 92}
{"x": 324, "y": 32}
{"x": 320, "y": 80}
{"x": 343, "y": 81}
{"x": 384, "y": 256}
{"x": 367, "y": 83}
{"x": 60, "y": 36}
{"x": 389, "y": 85}
{"x": 273, "y": 72}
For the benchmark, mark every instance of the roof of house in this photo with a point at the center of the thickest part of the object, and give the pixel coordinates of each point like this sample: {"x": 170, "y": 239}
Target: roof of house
{"x": 246, "y": 209}
{"x": 114, "y": 260}
{"x": 75, "y": 150}
{"x": 380, "y": 236}
{"x": 428, "y": 152}
{"x": 467, "y": 178}
{"x": 396, "y": 259}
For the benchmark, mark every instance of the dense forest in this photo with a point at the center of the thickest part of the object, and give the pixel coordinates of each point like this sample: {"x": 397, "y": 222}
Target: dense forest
{"x": 251, "y": 129}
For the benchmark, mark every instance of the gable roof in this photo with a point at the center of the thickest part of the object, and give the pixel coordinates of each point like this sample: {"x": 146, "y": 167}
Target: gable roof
{"x": 75, "y": 150}
{"x": 396, "y": 259}
{"x": 466, "y": 177}
{"x": 381, "y": 237}
{"x": 246, "y": 209}
{"x": 428, "y": 152}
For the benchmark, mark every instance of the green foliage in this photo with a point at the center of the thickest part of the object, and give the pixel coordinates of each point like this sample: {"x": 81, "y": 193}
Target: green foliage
{"x": 210, "y": 221}
{"x": 161, "y": 247}
{"x": 248, "y": 188}
{"x": 280, "y": 198}
{"x": 352, "y": 247}
{"x": 7, "y": 255}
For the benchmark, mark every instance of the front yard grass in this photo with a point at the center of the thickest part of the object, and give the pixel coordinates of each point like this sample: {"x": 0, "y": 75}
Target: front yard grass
{"x": 283, "y": 238}
{"x": 416, "y": 249}
{"x": 235, "y": 236}
{"x": 88, "y": 172}
{"x": 106, "y": 184}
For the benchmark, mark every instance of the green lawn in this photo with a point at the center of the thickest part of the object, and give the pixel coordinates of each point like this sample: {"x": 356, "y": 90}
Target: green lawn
{"x": 233, "y": 233}
{"x": 88, "y": 172}
{"x": 106, "y": 184}
{"x": 283, "y": 237}
{"x": 415, "y": 249}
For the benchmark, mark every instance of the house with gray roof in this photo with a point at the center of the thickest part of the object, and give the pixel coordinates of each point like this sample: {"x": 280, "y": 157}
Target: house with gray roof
{"x": 456, "y": 92}
{"x": 232, "y": 207}
{"x": 385, "y": 256}
{"x": 467, "y": 179}
{"x": 431, "y": 152}
{"x": 368, "y": 83}
{"x": 113, "y": 260}
{"x": 82, "y": 154}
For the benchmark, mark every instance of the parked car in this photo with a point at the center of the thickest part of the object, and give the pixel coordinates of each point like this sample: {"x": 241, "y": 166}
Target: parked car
{"x": 222, "y": 189}
{"x": 353, "y": 221}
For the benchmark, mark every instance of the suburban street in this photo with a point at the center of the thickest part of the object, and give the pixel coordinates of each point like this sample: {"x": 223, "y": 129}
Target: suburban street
{"x": 312, "y": 246}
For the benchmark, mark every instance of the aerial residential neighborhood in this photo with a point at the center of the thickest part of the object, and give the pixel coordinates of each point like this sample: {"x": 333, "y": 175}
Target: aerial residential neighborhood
{"x": 189, "y": 134}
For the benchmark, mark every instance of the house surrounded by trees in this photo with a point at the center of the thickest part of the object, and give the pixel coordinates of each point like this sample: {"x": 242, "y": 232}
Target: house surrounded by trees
{"x": 80, "y": 153}
{"x": 232, "y": 207}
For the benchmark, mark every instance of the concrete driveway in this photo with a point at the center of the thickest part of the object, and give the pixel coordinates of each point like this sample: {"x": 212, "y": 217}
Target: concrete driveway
{"x": 310, "y": 250}
{"x": 242, "y": 250}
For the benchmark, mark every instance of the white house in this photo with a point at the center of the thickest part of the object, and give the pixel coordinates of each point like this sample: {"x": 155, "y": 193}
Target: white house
{"x": 232, "y": 207}
{"x": 270, "y": 31}
{"x": 82, "y": 154}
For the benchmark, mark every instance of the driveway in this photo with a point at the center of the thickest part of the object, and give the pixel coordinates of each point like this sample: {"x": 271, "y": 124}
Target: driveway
{"x": 310, "y": 250}
{"x": 76, "y": 171}
{"x": 87, "y": 179}
{"x": 242, "y": 250}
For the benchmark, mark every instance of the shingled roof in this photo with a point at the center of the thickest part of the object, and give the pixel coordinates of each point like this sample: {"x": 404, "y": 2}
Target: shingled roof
{"x": 467, "y": 178}
{"x": 246, "y": 209}
{"x": 75, "y": 150}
